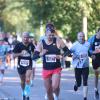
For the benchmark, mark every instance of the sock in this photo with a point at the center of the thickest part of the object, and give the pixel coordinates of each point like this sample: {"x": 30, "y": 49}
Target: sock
{"x": 96, "y": 89}
{"x": 31, "y": 82}
{"x": 55, "y": 97}
{"x": 27, "y": 90}
{"x": 85, "y": 91}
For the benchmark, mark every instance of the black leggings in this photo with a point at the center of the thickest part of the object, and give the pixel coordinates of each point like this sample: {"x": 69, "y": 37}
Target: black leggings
{"x": 81, "y": 73}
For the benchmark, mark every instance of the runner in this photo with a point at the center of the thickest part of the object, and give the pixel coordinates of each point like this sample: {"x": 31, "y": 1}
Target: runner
{"x": 23, "y": 51}
{"x": 95, "y": 55}
{"x": 80, "y": 63}
{"x": 50, "y": 48}
{"x": 4, "y": 49}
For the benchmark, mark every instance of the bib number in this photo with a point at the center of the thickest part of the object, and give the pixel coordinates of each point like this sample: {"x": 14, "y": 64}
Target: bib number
{"x": 24, "y": 62}
{"x": 51, "y": 58}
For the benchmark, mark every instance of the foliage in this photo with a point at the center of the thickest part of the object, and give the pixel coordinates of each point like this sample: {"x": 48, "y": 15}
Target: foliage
{"x": 67, "y": 15}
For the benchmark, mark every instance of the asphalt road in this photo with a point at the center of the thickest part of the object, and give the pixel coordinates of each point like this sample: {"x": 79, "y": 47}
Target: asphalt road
{"x": 11, "y": 90}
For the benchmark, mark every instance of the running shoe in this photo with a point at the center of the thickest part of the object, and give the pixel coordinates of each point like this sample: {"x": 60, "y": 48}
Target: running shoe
{"x": 54, "y": 95}
{"x": 27, "y": 98}
{"x": 85, "y": 98}
{"x": 24, "y": 98}
{"x": 27, "y": 90}
{"x": 75, "y": 87}
{"x": 96, "y": 95}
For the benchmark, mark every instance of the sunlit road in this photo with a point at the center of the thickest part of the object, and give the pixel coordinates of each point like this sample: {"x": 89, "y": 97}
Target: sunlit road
{"x": 11, "y": 90}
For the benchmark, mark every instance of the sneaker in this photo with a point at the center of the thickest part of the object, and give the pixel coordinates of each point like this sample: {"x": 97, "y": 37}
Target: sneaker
{"x": 75, "y": 87}
{"x": 27, "y": 90}
{"x": 27, "y": 98}
{"x": 24, "y": 98}
{"x": 97, "y": 95}
{"x": 85, "y": 98}
{"x": 54, "y": 95}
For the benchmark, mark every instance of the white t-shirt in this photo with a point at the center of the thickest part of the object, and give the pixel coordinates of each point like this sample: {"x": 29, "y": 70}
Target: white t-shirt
{"x": 80, "y": 57}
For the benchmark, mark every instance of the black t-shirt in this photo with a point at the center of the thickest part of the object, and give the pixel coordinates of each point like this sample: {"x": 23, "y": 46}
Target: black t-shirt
{"x": 49, "y": 59}
{"x": 26, "y": 59}
{"x": 96, "y": 45}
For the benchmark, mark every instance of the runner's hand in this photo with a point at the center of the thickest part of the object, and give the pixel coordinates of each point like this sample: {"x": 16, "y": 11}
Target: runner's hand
{"x": 59, "y": 57}
{"x": 96, "y": 51}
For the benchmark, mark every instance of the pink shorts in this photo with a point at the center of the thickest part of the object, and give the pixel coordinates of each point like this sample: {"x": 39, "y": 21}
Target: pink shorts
{"x": 49, "y": 73}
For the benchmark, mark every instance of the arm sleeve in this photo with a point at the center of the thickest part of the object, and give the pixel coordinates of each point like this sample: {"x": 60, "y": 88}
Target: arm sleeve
{"x": 36, "y": 55}
{"x": 67, "y": 52}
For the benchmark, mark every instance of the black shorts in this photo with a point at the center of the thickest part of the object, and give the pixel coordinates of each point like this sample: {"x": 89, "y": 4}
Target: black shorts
{"x": 95, "y": 64}
{"x": 22, "y": 70}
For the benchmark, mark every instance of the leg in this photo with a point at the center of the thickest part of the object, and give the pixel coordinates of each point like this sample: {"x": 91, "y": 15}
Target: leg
{"x": 1, "y": 75}
{"x": 2, "y": 71}
{"x": 28, "y": 76}
{"x": 56, "y": 83}
{"x": 85, "y": 73}
{"x": 32, "y": 76}
{"x": 77, "y": 78}
{"x": 48, "y": 86}
{"x": 96, "y": 72}
{"x": 22, "y": 78}
{"x": 27, "y": 83}
{"x": 96, "y": 83}
{"x": 96, "y": 65}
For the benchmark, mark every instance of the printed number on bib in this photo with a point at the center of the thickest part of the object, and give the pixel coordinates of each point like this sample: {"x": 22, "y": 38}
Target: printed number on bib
{"x": 24, "y": 62}
{"x": 50, "y": 58}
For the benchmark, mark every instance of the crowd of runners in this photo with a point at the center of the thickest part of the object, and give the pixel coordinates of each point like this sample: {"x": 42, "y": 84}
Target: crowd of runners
{"x": 52, "y": 49}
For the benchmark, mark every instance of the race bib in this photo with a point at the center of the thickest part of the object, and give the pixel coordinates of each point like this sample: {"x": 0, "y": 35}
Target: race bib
{"x": 50, "y": 58}
{"x": 83, "y": 55}
{"x": 24, "y": 62}
{"x": 79, "y": 62}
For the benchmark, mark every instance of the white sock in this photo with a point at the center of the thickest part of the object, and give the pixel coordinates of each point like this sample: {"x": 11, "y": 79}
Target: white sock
{"x": 85, "y": 91}
{"x": 55, "y": 97}
{"x": 96, "y": 89}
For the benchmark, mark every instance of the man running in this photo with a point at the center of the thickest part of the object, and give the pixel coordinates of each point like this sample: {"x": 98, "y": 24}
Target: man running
{"x": 50, "y": 48}
{"x": 95, "y": 55}
{"x": 80, "y": 62}
{"x": 24, "y": 51}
